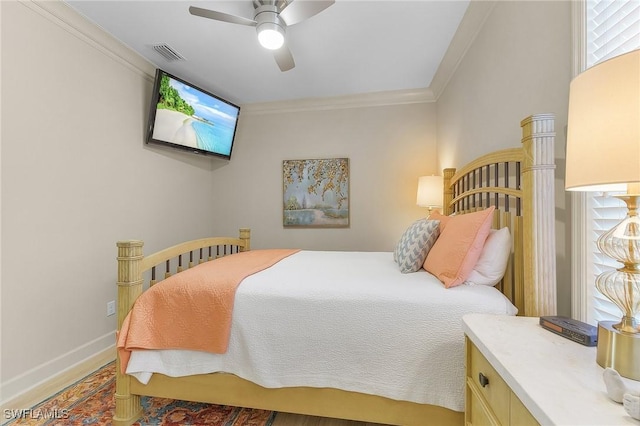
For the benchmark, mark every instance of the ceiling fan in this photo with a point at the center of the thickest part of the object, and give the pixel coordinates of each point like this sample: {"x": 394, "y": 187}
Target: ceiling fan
{"x": 271, "y": 18}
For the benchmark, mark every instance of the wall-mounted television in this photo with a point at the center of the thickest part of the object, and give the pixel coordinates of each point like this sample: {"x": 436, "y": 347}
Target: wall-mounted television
{"x": 187, "y": 117}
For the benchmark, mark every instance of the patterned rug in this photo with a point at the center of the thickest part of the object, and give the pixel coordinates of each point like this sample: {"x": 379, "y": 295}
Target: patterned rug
{"x": 91, "y": 402}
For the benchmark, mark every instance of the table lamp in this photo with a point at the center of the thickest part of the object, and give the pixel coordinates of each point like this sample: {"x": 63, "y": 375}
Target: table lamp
{"x": 430, "y": 192}
{"x": 603, "y": 154}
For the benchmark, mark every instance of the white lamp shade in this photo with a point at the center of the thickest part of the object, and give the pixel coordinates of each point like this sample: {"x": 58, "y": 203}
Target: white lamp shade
{"x": 430, "y": 191}
{"x": 603, "y": 133}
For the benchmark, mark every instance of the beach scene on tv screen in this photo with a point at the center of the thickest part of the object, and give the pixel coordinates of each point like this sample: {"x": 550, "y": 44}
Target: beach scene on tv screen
{"x": 189, "y": 117}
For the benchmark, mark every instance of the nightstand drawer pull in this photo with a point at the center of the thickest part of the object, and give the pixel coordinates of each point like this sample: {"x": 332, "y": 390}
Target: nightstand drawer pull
{"x": 484, "y": 380}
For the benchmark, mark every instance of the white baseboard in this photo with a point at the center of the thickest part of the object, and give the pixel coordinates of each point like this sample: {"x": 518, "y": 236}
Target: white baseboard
{"x": 51, "y": 377}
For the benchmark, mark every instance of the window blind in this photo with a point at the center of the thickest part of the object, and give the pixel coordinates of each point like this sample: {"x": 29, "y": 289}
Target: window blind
{"x": 612, "y": 29}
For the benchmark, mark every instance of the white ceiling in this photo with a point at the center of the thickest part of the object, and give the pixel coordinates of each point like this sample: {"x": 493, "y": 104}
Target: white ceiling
{"x": 353, "y": 47}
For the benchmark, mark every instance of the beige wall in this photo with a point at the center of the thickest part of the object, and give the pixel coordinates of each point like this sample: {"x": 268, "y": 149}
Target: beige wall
{"x": 388, "y": 148}
{"x": 519, "y": 64}
{"x": 76, "y": 177}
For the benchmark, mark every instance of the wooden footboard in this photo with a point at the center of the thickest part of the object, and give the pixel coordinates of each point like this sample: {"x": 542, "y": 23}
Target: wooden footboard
{"x": 228, "y": 389}
{"x": 132, "y": 265}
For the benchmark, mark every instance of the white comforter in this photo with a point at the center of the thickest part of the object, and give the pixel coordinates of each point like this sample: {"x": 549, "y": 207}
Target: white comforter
{"x": 347, "y": 320}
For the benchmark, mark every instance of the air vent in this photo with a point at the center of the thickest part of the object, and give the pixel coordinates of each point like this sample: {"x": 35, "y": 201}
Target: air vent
{"x": 168, "y": 52}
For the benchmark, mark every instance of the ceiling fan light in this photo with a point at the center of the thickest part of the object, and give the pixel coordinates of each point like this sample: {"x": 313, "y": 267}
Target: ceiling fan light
{"x": 271, "y": 36}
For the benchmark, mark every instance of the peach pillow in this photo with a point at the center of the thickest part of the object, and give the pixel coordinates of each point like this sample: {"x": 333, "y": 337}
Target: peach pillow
{"x": 459, "y": 245}
{"x": 436, "y": 215}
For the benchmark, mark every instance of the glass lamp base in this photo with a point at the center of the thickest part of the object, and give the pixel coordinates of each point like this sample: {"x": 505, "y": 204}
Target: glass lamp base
{"x": 618, "y": 350}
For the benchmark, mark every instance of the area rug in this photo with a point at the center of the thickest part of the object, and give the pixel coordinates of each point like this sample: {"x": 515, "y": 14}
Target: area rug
{"x": 91, "y": 402}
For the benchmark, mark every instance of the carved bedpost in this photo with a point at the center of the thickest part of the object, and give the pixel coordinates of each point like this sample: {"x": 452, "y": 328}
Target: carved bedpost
{"x": 447, "y": 174}
{"x": 538, "y": 180}
{"x": 245, "y": 235}
{"x": 128, "y": 407}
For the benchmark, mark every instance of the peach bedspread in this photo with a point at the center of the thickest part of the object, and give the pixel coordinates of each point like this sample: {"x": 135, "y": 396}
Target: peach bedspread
{"x": 192, "y": 310}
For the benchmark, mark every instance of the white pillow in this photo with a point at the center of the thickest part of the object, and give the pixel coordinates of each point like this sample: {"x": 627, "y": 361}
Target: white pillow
{"x": 493, "y": 260}
{"x": 415, "y": 243}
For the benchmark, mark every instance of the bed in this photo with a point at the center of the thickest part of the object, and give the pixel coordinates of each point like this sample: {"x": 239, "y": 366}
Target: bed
{"x": 404, "y": 383}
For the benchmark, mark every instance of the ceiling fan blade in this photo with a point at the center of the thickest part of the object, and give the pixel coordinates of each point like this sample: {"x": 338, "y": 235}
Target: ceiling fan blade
{"x": 219, "y": 16}
{"x": 299, "y": 10}
{"x": 284, "y": 58}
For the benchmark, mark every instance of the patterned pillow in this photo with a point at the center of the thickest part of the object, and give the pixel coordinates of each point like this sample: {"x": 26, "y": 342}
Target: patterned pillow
{"x": 415, "y": 243}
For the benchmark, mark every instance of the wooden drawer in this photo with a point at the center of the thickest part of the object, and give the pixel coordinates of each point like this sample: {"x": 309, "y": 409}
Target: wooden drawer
{"x": 519, "y": 414}
{"x": 477, "y": 412}
{"x": 487, "y": 384}
{"x": 489, "y": 399}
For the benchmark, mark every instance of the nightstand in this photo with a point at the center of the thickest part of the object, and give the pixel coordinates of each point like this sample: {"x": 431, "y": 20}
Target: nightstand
{"x": 519, "y": 373}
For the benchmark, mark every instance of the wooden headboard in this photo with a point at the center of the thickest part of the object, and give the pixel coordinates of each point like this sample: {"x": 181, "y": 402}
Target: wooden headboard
{"x": 519, "y": 182}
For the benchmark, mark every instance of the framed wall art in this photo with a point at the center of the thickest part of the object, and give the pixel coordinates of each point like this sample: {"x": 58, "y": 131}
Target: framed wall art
{"x": 316, "y": 193}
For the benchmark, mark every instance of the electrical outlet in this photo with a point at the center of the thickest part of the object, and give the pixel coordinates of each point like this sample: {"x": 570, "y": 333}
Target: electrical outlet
{"x": 111, "y": 308}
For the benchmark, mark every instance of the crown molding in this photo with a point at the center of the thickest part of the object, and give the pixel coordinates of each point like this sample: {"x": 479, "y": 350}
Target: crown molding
{"x": 61, "y": 14}
{"x": 76, "y": 24}
{"x": 374, "y": 99}
{"x": 469, "y": 28}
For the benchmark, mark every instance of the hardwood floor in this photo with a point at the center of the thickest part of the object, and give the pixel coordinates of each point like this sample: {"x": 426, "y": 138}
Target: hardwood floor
{"x": 286, "y": 419}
